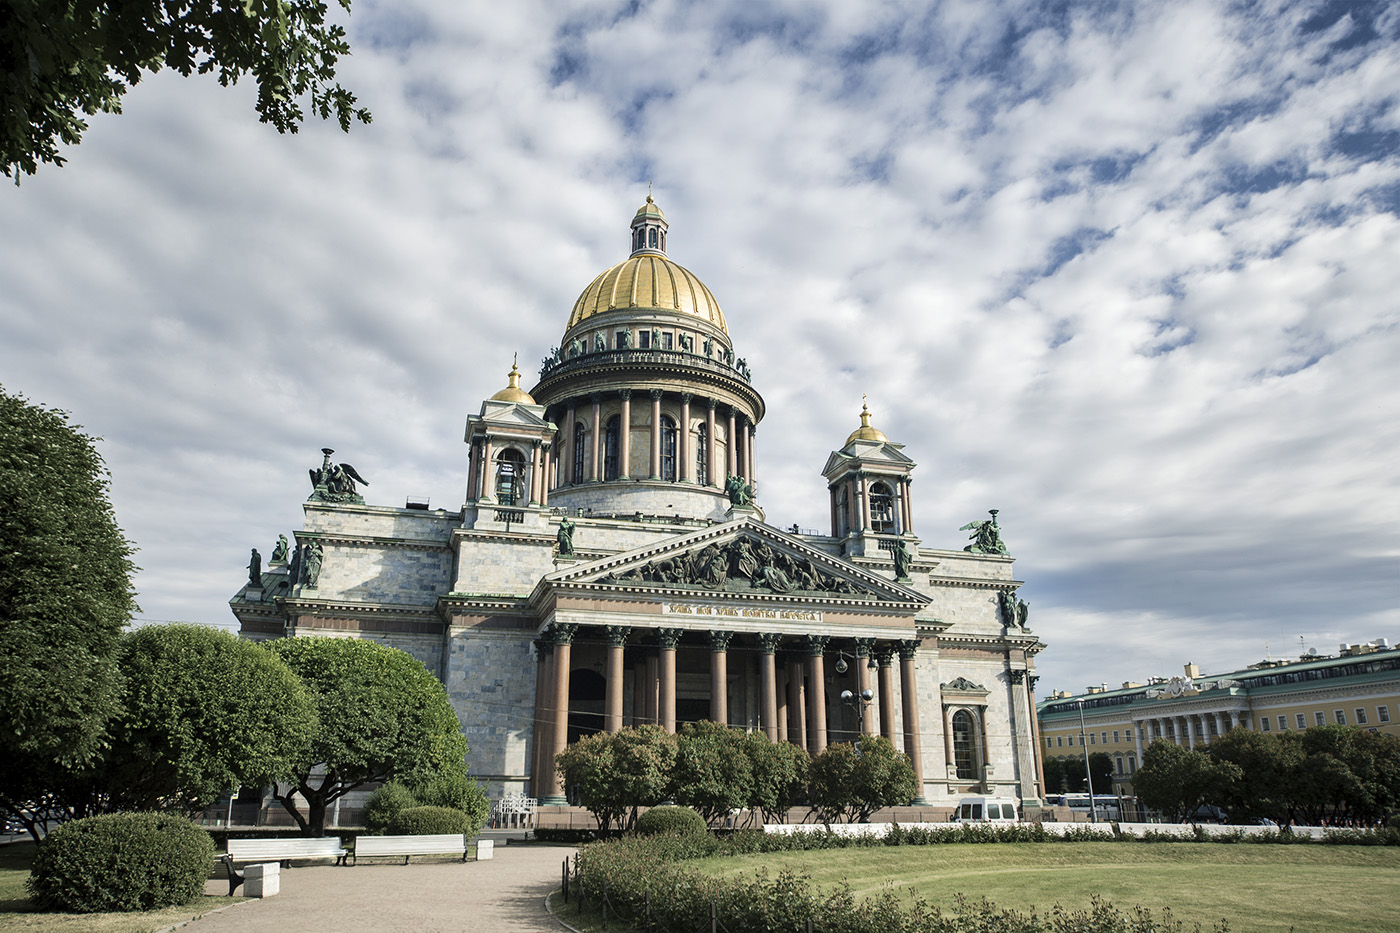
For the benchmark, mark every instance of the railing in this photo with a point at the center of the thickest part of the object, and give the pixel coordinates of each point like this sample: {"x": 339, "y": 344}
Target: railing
{"x": 509, "y": 515}
{"x": 559, "y": 363}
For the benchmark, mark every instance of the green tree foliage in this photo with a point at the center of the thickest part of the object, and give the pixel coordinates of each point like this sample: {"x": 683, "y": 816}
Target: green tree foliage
{"x": 384, "y": 804}
{"x": 205, "y": 712}
{"x": 1269, "y": 768}
{"x": 852, "y": 781}
{"x": 714, "y": 772}
{"x": 63, "y": 59}
{"x": 1055, "y": 781}
{"x": 613, "y": 776}
{"x": 121, "y": 862}
{"x": 381, "y": 715}
{"x": 780, "y": 772}
{"x": 65, "y": 596}
{"x": 430, "y": 821}
{"x": 1101, "y": 767}
{"x": 1176, "y": 781}
{"x": 454, "y": 789}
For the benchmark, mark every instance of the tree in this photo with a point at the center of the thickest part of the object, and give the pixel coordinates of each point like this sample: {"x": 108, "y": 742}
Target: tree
{"x": 1101, "y": 767}
{"x": 645, "y": 759}
{"x": 714, "y": 772}
{"x": 206, "y": 712}
{"x": 1269, "y": 765}
{"x": 855, "y": 780}
{"x": 65, "y": 596}
{"x": 780, "y": 772}
{"x": 382, "y": 716}
{"x": 1176, "y": 781}
{"x": 591, "y": 780}
{"x": 63, "y": 59}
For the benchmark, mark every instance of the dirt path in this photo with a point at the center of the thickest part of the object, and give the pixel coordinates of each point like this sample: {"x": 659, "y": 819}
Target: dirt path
{"x": 504, "y": 894}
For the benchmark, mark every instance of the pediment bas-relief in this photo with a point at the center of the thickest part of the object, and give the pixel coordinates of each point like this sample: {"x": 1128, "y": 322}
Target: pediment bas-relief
{"x": 744, "y": 563}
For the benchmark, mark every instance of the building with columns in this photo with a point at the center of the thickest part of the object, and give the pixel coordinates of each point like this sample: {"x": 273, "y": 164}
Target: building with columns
{"x": 612, "y": 565}
{"x": 1358, "y": 686}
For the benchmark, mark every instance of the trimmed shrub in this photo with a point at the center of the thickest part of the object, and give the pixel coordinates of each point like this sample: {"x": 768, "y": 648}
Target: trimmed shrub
{"x": 121, "y": 862}
{"x": 384, "y": 805}
{"x": 429, "y": 821}
{"x": 457, "y": 790}
{"x": 679, "y": 821}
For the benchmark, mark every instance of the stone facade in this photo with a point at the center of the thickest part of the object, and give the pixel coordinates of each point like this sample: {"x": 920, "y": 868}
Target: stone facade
{"x": 608, "y": 568}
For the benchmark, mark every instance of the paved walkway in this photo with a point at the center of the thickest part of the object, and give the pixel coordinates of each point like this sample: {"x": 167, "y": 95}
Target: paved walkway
{"x": 504, "y": 894}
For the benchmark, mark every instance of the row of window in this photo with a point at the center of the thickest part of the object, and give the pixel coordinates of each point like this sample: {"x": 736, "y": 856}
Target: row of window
{"x": 648, "y": 238}
{"x": 882, "y": 511}
{"x": 612, "y": 450}
{"x": 1361, "y": 718}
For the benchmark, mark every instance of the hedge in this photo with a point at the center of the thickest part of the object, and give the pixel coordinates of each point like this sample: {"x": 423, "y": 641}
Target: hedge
{"x": 121, "y": 862}
{"x": 429, "y": 821}
{"x": 681, "y": 821}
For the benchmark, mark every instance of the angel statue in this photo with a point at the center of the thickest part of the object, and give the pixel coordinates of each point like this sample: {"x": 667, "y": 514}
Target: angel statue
{"x": 986, "y": 536}
{"x": 740, "y": 493}
{"x": 335, "y": 482}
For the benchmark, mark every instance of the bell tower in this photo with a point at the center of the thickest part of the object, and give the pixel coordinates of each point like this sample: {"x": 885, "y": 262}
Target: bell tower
{"x": 869, "y": 482}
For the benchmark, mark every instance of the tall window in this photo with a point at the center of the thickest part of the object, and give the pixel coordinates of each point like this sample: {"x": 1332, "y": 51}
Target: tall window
{"x": 651, "y": 238}
{"x": 510, "y": 478}
{"x": 882, "y": 509}
{"x": 964, "y": 745}
{"x": 579, "y": 435}
{"x": 668, "y": 450}
{"x": 702, "y": 443}
{"x": 843, "y": 511}
{"x": 610, "y": 446}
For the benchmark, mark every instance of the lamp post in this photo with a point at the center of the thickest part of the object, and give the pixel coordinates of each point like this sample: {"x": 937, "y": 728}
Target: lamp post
{"x": 858, "y": 702}
{"x": 1088, "y": 775}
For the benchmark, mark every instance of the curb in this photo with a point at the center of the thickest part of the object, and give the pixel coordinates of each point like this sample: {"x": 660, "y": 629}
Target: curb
{"x": 207, "y": 913}
{"x": 547, "y": 909}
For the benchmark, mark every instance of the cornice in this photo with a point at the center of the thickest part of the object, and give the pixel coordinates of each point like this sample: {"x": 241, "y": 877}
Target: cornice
{"x": 335, "y": 537}
{"x": 976, "y": 583}
{"x": 303, "y": 606}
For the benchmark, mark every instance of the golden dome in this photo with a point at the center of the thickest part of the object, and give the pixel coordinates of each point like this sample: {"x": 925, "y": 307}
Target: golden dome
{"x": 865, "y": 432}
{"x": 648, "y": 281}
{"x": 649, "y": 209}
{"x": 513, "y": 392}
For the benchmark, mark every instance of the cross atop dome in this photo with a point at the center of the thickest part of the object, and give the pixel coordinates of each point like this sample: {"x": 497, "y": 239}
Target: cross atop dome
{"x": 649, "y": 229}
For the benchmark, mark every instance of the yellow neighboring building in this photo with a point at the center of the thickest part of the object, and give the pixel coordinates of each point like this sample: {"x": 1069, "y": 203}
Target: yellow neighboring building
{"x": 1359, "y": 686}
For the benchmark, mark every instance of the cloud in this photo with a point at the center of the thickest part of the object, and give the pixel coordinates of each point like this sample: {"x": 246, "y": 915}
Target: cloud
{"x": 1124, "y": 271}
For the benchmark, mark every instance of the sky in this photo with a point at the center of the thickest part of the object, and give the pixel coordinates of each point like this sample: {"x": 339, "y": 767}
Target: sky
{"x": 1129, "y": 273}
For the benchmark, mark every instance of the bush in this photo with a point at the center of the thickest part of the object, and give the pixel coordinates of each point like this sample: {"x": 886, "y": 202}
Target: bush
{"x": 121, "y": 862}
{"x": 429, "y": 821}
{"x": 458, "y": 791}
{"x": 384, "y": 806}
{"x": 680, "y": 821}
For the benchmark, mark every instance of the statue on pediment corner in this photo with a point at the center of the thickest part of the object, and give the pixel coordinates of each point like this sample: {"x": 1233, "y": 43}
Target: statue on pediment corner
{"x": 279, "y": 553}
{"x": 903, "y": 559}
{"x": 986, "y": 536}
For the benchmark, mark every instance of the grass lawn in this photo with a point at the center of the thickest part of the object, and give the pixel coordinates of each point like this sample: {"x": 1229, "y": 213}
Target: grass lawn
{"x": 16, "y": 913}
{"x": 1316, "y": 888}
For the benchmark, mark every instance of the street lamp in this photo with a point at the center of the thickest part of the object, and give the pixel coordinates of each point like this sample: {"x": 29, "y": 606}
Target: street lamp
{"x": 858, "y": 702}
{"x": 1088, "y": 774}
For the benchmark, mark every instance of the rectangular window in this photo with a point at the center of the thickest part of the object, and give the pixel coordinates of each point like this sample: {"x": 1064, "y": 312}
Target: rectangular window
{"x": 644, "y": 339}
{"x": 1071, "y": 741}
{"x": 1091, "y": 738}
{"x": 1060, "y": 741}
{"x": 666, "y": 340}
{"x": 1263, "y": 723}
{"x": 1049, "y": 742}
{"x": 1103, "y": 738}
{"x": 1283, "y": 724}
{"x": 1115, "y": 736}
{"x": 1302, "y": 721}
{"x": 1320, "y": 718}
{"x": 1360, "y": 716}
{"x": 622, "y": 339}
{"x": 1341, "y": 717}
{"x": 1383, "y": 713}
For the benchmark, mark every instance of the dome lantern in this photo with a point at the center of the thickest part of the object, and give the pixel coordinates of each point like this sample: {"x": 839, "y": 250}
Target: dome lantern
{"x": 513, "y": 392}
{"x": 866, "y": 432}
{"x": 649, "y": 230}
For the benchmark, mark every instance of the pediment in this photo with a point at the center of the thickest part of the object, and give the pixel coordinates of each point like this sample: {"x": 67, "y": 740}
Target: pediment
{"x": 866, "y": 454}
{"x": 510, "y": 414}
{"x": 745, "y": 556}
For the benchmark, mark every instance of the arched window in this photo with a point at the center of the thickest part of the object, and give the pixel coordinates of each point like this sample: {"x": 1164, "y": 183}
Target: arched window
{"x": 965, "y": 745}
{"x": 702, "y": 441}
{"x": 882, "y": 509}
{"x": 668, "y": 450}
{"x": 510, "y": 478}
{"x": 610, "y": 446}
{"x": 580, "y": 433}
{"x": 651, "y": 238}
{"x": 843, "y": 511}
{"x": 663, "y": 241}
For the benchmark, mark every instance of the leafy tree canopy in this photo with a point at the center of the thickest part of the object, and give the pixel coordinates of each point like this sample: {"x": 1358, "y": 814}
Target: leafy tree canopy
{"x": 64, "y": 59}
{"x": 852, "y": 782}
{"x": 1176, "y": 780}
{"x": 779, "y": 775}
{"x": 714, "y": 774}
{"x": 381, "y": 714}
{"x": 65, "y": 590}
{"x": 205, "y": 712}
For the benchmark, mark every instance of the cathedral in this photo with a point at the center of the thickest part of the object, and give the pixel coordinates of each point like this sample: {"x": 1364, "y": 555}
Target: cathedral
{"x": 612, "y": 566}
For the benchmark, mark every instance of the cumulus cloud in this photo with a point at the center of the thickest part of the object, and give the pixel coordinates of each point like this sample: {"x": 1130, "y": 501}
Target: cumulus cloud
{"x": 1124, "y": 271}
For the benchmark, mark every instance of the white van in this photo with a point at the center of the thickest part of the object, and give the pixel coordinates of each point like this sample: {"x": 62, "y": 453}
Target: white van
{"x": 987, "y": 810}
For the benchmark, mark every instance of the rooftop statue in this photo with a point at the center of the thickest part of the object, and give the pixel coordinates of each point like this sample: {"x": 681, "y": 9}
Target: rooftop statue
{"x": 903, "y": 558}
{"x": 335, "y": 482}
{"x": 255, "y": 570}
{"x": 986, "y": 536}
{"x": 740, "y": 493}
{"x": 565, "y": 538}
{"x": 279, "y": 553}
{"x": 314, "y": 555}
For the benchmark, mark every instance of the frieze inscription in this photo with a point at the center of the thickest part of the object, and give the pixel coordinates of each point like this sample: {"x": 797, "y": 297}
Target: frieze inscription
{"x": 741, "y": 612}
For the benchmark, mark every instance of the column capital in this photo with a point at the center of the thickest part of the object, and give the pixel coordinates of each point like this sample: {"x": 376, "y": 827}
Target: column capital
{"x": 885, "y": 654}
{"x": 864, "y": 646}
{"x": 1032, "y": 679}
{"x": 668, "y": 638}
{"x": 656, "y": 395}
{"x": 686, "y": 397}
{"x": 616, "y": 635}
{"x": 711, "y": 403}
{"x": 719, "y": 639}
{"x": 624, "y": 394}
{"x": 768, "y": 641}
{"x": 816, "y": 644}
{"x": 536, "y": 443}
{"x": 562, "y": 633}
{"x": 908, "y": 649}
{"x": 1017, "y": 675}
{"x": 595, "y": 397}
{"x": 541, "y": 646}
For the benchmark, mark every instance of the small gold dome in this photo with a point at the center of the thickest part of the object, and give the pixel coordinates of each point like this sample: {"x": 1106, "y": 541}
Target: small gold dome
{"x": 648, "y": 281}
{"x": 649, "y": 209}
{"x": 513, "y": 392}
{"x": 865, "y": 432}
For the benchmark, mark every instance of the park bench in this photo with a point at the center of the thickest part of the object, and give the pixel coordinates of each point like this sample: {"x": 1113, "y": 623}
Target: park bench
{"x": 447, "y": 844}
{"x": 245, "y": 851}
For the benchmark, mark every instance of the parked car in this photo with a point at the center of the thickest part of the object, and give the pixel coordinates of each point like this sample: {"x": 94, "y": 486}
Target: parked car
{"x": 987, "y": 810}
